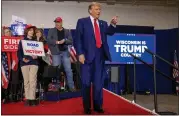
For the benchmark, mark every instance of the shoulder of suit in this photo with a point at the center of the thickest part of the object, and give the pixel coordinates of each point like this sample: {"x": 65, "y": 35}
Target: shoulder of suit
{"x": 103, "y": 21}
{"x": 66, "y": 30}
{"x": 84, "y": 18}
{"x": 52, "y": 29}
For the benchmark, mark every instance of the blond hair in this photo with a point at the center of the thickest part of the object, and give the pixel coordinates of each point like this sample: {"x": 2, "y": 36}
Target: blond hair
{"x": 93, "y": 4}
{"x": 3, "y": 31}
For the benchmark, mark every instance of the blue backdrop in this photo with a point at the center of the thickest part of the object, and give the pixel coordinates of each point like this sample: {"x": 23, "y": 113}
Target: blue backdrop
{"x": 166, "y": 43}
{"x": 120, "y": 44}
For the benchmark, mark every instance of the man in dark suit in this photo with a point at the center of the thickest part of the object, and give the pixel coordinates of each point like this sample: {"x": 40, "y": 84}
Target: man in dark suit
{"x": 92, "y": 49}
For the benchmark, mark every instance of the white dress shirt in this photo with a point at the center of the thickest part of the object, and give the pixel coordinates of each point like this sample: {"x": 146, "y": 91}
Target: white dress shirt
{"x": 92, "y": 20}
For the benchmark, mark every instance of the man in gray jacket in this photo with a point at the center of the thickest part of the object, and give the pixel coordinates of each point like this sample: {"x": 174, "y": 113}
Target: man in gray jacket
{"x": 58, "y": 40}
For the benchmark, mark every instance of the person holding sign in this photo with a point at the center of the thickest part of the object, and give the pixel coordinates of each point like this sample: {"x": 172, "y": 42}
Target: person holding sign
{"x": 29, "y": 68}
{"x": 58, "y": 40}
{"x": 92, "y": 49}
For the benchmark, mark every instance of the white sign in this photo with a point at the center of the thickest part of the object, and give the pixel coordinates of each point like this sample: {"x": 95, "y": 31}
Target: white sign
{"x": 33, "y": 48}
{"x": 17, "y": 20}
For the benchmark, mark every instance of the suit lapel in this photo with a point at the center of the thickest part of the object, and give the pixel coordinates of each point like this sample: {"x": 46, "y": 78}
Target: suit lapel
{"x": 91, "y": 29}
{"x": 101, "y": 28}
{"x": 91, "y": 26}
{"x": 100, "y": 25}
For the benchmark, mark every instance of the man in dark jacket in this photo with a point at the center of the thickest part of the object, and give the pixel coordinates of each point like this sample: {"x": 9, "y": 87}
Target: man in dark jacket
{"x": 58, "y": 40}
{"x": 92, "y": 50}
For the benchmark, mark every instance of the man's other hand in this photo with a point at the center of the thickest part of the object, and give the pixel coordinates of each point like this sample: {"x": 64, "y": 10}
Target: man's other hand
{"x": 25, "y": 60}
{"x": 114, "y": 20}
{"x": 82, "y": 59}
{"x": 61, "y": 41}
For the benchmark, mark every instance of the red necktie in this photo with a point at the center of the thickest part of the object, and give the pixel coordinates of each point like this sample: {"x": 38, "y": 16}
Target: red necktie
{"x": 97, "y": 34}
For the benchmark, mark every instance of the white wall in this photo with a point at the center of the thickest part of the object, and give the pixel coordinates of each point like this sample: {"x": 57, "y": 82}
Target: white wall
{"x": 41, "y": 12}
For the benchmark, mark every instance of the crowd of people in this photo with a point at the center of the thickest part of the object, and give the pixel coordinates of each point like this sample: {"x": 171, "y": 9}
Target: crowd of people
{"x": 92, "y": 50}
{"x": 56, "y": 46}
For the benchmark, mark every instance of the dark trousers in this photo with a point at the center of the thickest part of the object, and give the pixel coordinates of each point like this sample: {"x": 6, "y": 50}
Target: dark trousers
{"x": 14, "y": 87}
{"x": 4, "y": 93}
{"x": 93, "y": 72}
{"x": 76, "y": 75}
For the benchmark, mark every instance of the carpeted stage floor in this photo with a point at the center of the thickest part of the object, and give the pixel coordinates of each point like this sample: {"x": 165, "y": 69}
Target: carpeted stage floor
{"x": 113, "y": 105}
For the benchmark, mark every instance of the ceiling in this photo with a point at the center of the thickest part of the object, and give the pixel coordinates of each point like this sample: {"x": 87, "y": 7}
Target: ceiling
{"x": 170, "y": 3}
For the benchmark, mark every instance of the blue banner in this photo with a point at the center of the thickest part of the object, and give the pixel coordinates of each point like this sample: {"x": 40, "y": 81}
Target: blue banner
{"x": 18, "y": 29}
{"x": 122, "y": 44}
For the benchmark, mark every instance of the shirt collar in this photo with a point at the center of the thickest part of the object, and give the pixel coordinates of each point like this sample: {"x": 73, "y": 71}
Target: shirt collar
{"x": 60, "y": 30}
{"x": 92, "y": 18}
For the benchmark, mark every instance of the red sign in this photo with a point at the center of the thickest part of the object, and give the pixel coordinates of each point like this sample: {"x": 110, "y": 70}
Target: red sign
{"x": 10, "y": 44}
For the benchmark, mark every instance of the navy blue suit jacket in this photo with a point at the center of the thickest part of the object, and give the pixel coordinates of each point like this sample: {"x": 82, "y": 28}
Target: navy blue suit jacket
{"x": 85, "y": 42}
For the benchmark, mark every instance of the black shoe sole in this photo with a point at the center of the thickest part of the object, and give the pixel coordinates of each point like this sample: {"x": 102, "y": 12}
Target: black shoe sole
{"x": 99, "y": 110}
{"x": 27, "y": 103}
{"x": 33, "y": 103}
{"x": 87, "y": 111}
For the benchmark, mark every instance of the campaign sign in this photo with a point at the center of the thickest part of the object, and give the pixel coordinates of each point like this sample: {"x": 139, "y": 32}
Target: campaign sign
{"x": 120, "y": 45}
{"x": 33, "y": 48}
{"x": 10, "y": 44}
{"x": 18, "y": 29}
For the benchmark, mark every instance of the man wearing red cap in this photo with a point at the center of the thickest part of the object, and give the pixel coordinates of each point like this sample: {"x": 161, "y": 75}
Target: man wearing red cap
{"x": 58, "y": 40}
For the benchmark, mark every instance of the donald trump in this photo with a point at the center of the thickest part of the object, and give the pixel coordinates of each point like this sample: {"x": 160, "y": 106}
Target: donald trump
{"x": 92, "y": 49}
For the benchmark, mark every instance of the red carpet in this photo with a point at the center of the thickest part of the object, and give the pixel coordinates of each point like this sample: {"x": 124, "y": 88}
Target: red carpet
{"x": 112, "y": 105}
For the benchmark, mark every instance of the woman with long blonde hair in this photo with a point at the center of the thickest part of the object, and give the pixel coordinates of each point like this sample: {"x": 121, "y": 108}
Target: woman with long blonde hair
{"x": 6, "y": 31}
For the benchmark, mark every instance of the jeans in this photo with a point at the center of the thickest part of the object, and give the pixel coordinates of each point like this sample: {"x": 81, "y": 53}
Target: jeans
{"x": 64, "y": 59}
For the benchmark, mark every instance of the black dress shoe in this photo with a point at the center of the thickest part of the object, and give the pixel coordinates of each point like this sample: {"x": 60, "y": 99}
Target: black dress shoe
{"x": 5, "y": 101}
{"x": 87, "y": 111}
{"x": 72, "y": 90}
{"x": 15, "y": 98}
{"x": 27, "y": 103}
{"x": 33, "y": 102}
{"x": 99, "y": 110}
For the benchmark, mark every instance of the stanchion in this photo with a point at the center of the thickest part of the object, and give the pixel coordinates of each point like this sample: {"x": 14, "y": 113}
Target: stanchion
{"x": 155, "y": 84}
{"x": 178, "y": 47}
{"x": 178, "y": 102}
{"x": 134, "y": 80}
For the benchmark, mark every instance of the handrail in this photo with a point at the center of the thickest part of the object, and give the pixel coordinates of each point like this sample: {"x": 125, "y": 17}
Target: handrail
{"x": 154, "y": 56}
{"x": 156, "y": 69}
{"x": 147, "y": 50}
